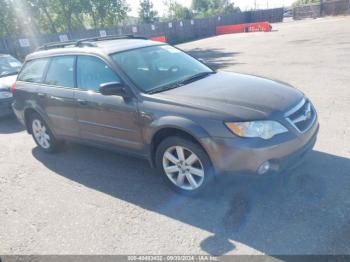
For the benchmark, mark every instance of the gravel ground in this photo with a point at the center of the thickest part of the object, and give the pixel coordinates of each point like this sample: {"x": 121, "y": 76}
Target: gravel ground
{"x": 89, "y": 201}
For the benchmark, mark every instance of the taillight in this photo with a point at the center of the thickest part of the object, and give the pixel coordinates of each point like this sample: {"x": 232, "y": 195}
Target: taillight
{"x": 13, "y": 88}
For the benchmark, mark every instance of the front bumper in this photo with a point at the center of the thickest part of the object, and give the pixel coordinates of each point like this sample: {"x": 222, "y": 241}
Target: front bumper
{"x": 5, "y": 107}
{"x": 247, "y": 155}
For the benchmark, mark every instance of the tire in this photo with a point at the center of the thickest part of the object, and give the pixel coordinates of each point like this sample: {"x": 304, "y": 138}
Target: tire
{"x": 42, "y": 134}
{"x": 184, "y": 174}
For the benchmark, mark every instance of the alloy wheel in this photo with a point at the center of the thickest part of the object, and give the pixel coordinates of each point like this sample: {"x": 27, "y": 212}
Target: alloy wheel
{"x": 183, "y": 168}
{"x": 40, "y": 133}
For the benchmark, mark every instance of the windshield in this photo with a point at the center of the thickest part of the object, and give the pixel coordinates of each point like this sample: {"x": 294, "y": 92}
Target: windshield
{"x": 9, "y": 66}
{"x": 158, "y": 68}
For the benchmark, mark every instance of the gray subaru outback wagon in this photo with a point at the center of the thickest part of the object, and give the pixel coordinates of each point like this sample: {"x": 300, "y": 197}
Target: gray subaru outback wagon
{"x": 156, "y": 102}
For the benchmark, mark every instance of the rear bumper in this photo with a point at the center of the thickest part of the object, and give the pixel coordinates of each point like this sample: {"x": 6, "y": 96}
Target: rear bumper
{"x": 19, "y": 113}
{"x": 5, "y": 107}
{"x": 245, "y": 156}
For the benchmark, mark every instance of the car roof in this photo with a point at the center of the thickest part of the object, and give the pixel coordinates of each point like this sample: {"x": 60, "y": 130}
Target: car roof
{"x": 104, "y": 47}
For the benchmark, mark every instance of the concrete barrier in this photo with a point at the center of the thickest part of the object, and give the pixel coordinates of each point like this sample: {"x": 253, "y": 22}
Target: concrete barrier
{"x": 159, "y": 38}
{"x": 241, "y": 28}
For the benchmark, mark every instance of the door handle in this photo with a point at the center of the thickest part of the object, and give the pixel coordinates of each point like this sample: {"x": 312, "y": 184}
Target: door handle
{"x": 41, "y": 95}
{"x": 56, "y": 98}
{"x": 82, "y": 102}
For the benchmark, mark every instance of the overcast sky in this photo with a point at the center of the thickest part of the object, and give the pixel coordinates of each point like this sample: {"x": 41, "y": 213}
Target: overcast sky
{"x": 243, "y": 4}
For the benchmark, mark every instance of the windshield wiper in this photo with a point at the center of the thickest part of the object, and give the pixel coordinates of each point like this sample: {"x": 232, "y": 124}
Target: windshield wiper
{"x": 181, "y": 82}
{"x": 195, "y": 77}
{"x": 163, "y": 88}
{"x": 8, "y": 74}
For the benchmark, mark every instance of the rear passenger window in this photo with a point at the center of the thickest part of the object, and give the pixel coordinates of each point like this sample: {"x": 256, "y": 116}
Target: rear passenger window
{"x": 61, "y": 71}
{"x": 92, "y": 72}
{"x": 33, "y": 71}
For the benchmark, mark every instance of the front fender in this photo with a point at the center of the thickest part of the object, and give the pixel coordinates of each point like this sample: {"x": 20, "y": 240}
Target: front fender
{"x": 175, "y": 122}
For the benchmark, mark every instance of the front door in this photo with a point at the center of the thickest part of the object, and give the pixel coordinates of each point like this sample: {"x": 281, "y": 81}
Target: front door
{"x": 104, "y": 119}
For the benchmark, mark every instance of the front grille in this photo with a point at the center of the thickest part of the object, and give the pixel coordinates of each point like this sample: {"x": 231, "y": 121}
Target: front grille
{"x": 302, "y": 116}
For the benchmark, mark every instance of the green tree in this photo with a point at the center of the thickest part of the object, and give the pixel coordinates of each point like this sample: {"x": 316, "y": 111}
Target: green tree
{"x": 200, "y": 5}
{"x": 146, "y": 12}
{"x": 39, "y": 10}
{"x": 33, "y": 17}
{"x": 182, "y": 12}
{"x": 224, "y": 6}
{"x": 25, "y": 18}
{"x": 42, "y": 6}
{"x": 66, "y": 11}
{"x": 6, "y": 18}
{"x": 177, "y": 11}
{"x": 231, "y": 8}
{"x": 106, "y": 12}
{"x": 205, "y": 8}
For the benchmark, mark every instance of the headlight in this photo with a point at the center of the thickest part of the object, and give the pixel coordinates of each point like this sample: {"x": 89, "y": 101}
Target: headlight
{"x": 262, "y": 129}
{"x": 5, "y": 94}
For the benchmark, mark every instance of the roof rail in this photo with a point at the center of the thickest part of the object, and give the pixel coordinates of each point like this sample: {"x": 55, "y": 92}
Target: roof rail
{"x": 87, "y": 41}
{"x": 55, "y": 45}
{"x": 109, "y": 37}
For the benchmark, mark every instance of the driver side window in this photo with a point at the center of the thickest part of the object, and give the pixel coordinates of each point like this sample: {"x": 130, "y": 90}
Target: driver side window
{"x": 92, "y": 72}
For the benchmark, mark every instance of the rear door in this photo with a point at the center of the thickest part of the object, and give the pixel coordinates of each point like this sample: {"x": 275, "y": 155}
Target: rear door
{"x": 29, "y": 83}
{"x": 103, "y": 119}
{"x": 57, "y": 96}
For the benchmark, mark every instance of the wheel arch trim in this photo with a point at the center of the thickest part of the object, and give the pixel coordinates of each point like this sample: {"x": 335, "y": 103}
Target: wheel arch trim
{"x": 180, "y": 124}
{"x": 33, "y": 109}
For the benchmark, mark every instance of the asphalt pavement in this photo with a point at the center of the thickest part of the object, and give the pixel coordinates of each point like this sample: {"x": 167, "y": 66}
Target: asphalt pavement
{"x": 89, "y": 201}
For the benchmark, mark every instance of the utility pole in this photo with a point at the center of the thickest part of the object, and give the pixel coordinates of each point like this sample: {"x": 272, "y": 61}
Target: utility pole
{"x": 321, "y": 8}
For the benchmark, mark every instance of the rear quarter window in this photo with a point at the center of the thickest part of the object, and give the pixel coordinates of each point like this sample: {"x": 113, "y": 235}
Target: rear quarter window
{"x": 33, "y": 71}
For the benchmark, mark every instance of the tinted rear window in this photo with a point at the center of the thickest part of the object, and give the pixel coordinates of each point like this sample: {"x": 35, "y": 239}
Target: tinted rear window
{"x": 61, "y": 71}
{"x": 33, "y": 71}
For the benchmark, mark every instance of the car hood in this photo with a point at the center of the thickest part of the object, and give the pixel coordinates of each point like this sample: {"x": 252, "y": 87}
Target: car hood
{"x": 7, "y": 81}
{"x": 238, "y": 95}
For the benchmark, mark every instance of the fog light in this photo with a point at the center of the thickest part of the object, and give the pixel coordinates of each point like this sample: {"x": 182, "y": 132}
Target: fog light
{"x": 264, "y": 168}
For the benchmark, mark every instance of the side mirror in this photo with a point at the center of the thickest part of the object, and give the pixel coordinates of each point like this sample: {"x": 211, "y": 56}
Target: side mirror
{"x": 113, "y": 89}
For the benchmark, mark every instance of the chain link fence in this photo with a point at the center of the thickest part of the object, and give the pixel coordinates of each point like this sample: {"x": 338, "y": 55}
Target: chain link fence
{"x": 325, "y": 8}
{"x": 174, "y": 31}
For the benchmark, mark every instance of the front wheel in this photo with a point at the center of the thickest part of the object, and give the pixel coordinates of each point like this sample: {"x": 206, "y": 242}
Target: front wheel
{"x": 184, "y": 165}
{"x": 42, "y": 135}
